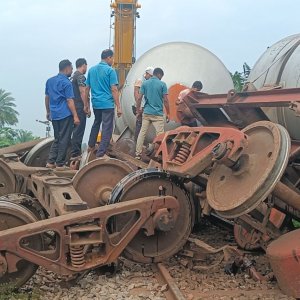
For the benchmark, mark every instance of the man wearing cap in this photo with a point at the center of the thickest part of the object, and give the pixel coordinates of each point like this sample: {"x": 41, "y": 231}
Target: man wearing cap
{"x": 184, "y": 115}
{"x": 155, "y": 92}
{"x": 137, "y": 85}
{"x": 103, "y": 83}
{"x": 61, "y": 112}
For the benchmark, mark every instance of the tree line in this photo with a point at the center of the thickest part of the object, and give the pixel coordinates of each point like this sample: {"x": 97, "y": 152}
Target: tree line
{"x": 8, "y": 118}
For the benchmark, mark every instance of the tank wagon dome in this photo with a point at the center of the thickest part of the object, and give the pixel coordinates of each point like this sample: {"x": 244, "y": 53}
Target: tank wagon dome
{"x": 280, "y": 65}
{"x": 183, "y": 63}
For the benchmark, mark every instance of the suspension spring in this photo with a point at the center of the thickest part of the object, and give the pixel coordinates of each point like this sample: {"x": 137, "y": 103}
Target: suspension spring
{"x": 77, "y": 256}
{"x": 182, "y": 154}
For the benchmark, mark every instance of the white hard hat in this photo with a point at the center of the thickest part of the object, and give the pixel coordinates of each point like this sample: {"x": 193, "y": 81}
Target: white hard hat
{"x": 149, "y": 70}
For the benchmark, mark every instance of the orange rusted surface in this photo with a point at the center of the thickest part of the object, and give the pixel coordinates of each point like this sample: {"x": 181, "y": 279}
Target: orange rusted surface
{"x": 174, "y": 92}
{"x": 284, "y": 256}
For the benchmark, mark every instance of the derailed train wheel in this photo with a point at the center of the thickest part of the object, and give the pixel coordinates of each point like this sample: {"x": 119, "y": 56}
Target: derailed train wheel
{"x": 14, "y": 215}
{"x": 38, "y": 155}
{"x": 163, "y": 243}
{"x": 232, "y": 193}
{"x": 95, "y": 181}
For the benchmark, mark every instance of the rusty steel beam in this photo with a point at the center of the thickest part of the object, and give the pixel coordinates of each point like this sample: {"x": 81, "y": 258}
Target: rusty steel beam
{"x": 267, "y": 98}
{"x": 20, "y": 148}
{"x": 287, "y": 195}
{"x": 173, "y": 288}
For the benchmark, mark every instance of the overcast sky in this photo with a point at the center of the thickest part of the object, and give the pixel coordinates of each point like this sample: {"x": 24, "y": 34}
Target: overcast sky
{"x": 36, "y": 34}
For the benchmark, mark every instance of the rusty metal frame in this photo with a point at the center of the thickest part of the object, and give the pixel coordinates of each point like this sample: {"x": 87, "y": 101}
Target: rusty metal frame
{"x": 83, "y": 238}
{"x": 238, "y": 109}
{"x": 97, "y": 219}
{"x": 263, "y": 98}
{"x": 199, "y": 149}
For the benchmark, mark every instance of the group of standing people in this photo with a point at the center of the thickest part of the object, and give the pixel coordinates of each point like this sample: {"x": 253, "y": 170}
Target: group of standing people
{"x": 68, "y": 104}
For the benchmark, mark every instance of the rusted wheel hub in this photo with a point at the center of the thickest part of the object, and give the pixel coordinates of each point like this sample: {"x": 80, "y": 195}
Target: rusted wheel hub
{"x": 171, "y": 228}
{"x": 95, "y": 181}
{"x": 234, "y": 192}
{"x": 7, "y": 179}
{"x": 164, "y": 220}
{"x": 13, "y": 270}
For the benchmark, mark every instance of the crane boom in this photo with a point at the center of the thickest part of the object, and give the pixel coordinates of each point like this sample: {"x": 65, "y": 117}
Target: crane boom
{"x": 125, "y": 14}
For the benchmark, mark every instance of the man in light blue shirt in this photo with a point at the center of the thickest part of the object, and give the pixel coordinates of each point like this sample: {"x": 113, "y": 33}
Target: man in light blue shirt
{"x": 102, "y": 82}
{"x": 155, "y": 92}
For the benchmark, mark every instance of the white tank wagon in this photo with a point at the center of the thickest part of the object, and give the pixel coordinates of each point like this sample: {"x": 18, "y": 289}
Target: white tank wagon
{"x": 279, "y": 66}
{"x": 183, "y": 63}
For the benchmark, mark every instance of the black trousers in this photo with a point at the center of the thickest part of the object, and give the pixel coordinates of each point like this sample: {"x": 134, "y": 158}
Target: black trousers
{"x": 106, "y": 117}
{"x": 62, "y": 137}
{"x": 78, "y": 133}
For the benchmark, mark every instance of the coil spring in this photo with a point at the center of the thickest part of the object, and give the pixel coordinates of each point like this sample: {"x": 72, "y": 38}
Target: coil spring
{"x": 182, "y": 154}
{"x": 77, "y": 256}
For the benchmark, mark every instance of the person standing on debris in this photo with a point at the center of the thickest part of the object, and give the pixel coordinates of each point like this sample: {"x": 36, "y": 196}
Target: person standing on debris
{"x": 137, "y": 86}
{"x": 184, "y": 115}
{"x": 102, "y": 81}
{"x": 78, "y": 82}
{"x": 156, "y": 98}
{"x": 61, "y": 111}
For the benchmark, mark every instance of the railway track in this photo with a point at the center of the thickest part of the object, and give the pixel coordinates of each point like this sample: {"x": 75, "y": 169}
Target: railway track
{"x": 172, "y": 291}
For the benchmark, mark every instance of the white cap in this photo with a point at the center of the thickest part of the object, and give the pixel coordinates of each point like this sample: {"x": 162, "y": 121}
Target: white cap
{"x": 149, "y": 70}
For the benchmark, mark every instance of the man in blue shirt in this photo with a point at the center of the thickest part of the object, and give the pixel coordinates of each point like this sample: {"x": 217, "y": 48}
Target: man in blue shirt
{"x": 156, "y": 97}
{"x": 61, "y": 112}
{"x": 102, "y": 82}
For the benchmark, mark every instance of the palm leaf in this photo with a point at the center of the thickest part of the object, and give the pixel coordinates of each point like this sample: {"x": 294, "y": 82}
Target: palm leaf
{"x": 8, "y": 115}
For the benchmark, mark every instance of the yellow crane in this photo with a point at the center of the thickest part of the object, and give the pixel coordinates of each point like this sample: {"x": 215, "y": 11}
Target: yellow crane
{"x": 125, "y": 14}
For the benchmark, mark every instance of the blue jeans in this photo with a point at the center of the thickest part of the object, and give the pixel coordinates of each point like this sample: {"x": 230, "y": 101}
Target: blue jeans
{"x": 106, "y": 117}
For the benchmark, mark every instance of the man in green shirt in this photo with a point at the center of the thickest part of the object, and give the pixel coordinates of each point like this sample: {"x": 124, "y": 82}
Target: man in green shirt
{"x": 155, "y": 93}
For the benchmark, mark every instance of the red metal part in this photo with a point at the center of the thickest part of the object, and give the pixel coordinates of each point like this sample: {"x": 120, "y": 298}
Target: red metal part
{"x": 249, "y": 238}
{"x": 266, "y": 98}
{"x": 189, "y": 151}
{"x": 284, "y": 256}
{"x": 238, "y": 109}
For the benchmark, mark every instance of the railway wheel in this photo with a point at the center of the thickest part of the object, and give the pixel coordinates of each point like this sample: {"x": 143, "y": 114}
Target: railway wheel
{"x": 232, "y": 193}
{"x": 95, "y": 181}
{"x": 165, "y": 242}
{"x": 14, "y": 215}
{"x": 38, "y": 155}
